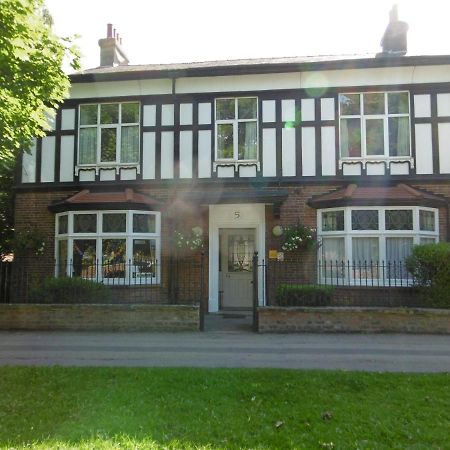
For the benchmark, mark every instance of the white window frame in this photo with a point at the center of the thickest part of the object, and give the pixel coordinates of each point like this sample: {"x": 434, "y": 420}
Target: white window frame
{"x": 117, "y": 164}
{"x": 99, "y": 235}
{"x": 348, "y": 234}
{"x": 235, "y": 160}
{"x": 364, "y": 157}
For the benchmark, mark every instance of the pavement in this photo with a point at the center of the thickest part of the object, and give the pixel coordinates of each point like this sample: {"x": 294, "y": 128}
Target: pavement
{"x": 228, "y": 342}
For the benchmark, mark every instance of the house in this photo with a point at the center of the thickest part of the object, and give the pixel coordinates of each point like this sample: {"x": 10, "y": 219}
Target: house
{"x": 356, "y": 147}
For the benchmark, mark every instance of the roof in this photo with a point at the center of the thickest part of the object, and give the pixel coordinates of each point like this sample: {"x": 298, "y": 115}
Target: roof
{"x": 399, "y": 195}
{"x": 254, "y": 66}
{"x": 86, "y": 199}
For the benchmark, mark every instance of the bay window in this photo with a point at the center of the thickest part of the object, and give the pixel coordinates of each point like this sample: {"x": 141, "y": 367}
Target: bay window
{"x": 374, "y": 125}
{"x": 237, "y": 129}
{"x": 372, "y": 243}
{"x": 113, "y": 247}
{"x": 109, "y": 133}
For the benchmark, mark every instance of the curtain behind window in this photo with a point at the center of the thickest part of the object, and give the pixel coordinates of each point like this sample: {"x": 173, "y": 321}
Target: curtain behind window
{"x": 129, "y": 152}
{"x": 88, "y": 146}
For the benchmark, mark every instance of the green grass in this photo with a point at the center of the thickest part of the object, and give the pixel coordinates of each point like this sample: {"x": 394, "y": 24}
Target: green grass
{"x": 105, "y": 408}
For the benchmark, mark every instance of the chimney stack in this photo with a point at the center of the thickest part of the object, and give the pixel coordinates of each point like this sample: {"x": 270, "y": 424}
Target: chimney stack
{"x": 111, "y": 52}
{"x": 394, "y": 41}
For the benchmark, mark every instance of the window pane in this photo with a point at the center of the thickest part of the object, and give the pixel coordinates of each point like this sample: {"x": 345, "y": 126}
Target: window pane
{"x": 350, "y": 137}
{"x": 399, "y": 136}
{"x": 130, "y": 112}
{"x": 109, "y": 113}
{"x": 373, "y": 103}
{"x": 144, "y": 258}
{"x": 397, "y": 250}
{"x": 84, "y": 258}
{"x": 375, "y": 137}
{"x": 401, "y": 219}
{"x": 88, "y": 145}
{"x": 62, "y": 224}
{"x": 365, "y": 220}
{"x": 365, "y": 249}
{"x": 333, "y": 261}
{"x": 225, "y": 108}
{"x": 333, "y": 221}
{"x": 108, "y": 144}
{"x": 427, "y": 240}
{"x": 129, "y": 146}
{"x": 85, "y": 223}
{"x": 247, "y": 140}
{"x": 114, "y": 223}
{"x": 426, "y": 220}
{"x": 144, "y": 223}
{"x": 398, "y": 103}
{"x": 247, "y": 108}
{"x": 113, "y": 258}
{"x": 350, "y": 104}
{"x": 88, "y": 114}
{"x": 225, "y": 141}
{"x": 62, "y": 258}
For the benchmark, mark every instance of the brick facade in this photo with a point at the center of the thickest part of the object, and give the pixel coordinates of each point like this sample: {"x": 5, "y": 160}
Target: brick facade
{"x": 353, "y": 320}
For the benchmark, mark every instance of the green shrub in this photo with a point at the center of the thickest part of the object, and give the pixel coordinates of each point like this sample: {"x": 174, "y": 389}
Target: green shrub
{"x": 430, "y": 266}
{"x": 303, "y": 295}
{"x": 70, "y": 290}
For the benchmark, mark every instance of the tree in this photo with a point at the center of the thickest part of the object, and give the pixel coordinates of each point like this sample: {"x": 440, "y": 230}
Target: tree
{"x": 32, "y": 85}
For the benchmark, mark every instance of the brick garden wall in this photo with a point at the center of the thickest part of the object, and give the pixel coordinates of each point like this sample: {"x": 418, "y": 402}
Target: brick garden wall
{"x": 353, "y": 320}
{"x": 99, "y": 317}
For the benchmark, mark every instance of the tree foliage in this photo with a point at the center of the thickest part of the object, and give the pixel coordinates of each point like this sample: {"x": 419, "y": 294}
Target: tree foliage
{"x": 32, "y": 79}
{"x": 32, "y": 85}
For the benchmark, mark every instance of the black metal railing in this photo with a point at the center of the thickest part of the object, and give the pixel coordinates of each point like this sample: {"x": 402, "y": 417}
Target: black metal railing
{"x": 384, "y": 275}
{"x": 160, "y": 282}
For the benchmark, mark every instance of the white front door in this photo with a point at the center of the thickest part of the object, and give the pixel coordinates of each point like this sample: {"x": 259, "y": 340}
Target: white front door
{"x": 237, "y": 246}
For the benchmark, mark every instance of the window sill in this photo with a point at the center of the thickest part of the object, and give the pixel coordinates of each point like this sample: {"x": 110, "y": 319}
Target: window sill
{"x": 107, "y": 166}
{"x": 235, "y": 164}
{"x": 376, "y": 159}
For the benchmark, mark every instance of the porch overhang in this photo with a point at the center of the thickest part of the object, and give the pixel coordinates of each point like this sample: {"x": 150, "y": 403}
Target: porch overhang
{"x": 87, "y": 200}
{"x": 398, "y": 195}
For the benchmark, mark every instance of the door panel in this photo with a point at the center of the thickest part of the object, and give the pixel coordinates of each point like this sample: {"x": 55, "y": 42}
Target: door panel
{"x": 236, "y": 253}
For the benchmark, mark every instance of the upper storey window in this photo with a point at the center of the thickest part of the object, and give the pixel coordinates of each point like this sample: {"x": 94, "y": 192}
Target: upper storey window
{"x": 237, "y": 129}
{"x": 109, "y": 133}
{"x": 374, "y": 125}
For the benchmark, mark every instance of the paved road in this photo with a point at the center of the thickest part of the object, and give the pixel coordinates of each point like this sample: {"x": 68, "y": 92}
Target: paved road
{"x": 411, "y": 353}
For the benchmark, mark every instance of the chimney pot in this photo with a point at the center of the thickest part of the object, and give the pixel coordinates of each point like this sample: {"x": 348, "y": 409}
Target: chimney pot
{"x": 111, "y": 53}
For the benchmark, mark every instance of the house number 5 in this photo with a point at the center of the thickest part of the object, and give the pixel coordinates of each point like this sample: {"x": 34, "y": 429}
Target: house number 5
{"x": 237, "y": 214}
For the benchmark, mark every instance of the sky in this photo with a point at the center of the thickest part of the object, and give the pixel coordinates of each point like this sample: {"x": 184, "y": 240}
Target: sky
{"x": 168, "y": 31}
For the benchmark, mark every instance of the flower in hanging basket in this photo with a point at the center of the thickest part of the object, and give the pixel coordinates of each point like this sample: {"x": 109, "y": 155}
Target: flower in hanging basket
{"x": 298, "y": 236}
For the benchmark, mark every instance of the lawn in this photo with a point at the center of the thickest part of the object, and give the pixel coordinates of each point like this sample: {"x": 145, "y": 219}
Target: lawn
{"x": 105, "y": 408}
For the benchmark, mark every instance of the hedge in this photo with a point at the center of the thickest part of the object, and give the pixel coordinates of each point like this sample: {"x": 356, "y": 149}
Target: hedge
{"x": 303, "y": 295}
{"x": 70, "y": 290}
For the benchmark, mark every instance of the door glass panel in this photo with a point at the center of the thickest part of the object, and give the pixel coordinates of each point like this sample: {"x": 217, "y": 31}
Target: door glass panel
{"x": 241, "y": 247}
{"x": 84, "y": 258}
